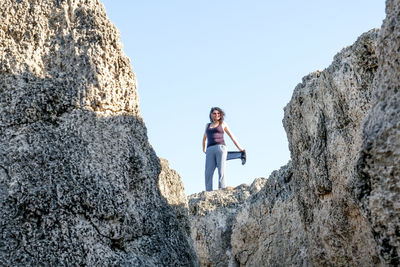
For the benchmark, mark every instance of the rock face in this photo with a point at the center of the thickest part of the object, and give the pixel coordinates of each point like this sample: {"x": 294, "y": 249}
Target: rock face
{"x": 172, "y": 188}
{"x": 323, "y": 123}
{"x": 379, "y": 164}
{"x": 308, "y": 214}
{"x": 268, "y": 226}
{"x": 78, "y": 178}
{"x": 211, "y": 218}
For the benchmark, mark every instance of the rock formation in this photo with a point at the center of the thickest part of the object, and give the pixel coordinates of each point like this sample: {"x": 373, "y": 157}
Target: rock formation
{"x": 378, "y": 186}
{"x": 211, "y": 218}
{"x": 323, "y": 123}
{"x": 269, "y": 226}
{"x": 336, "y": 202}
{"x": 81, "y": 185}
{"x": 305, "y": 214}
{"x": 78, "y": 178}
{"x": 171, "y": 187}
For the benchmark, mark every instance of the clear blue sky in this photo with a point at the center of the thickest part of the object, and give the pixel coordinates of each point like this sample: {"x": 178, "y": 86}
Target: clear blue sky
{"x": 243, "y": 56}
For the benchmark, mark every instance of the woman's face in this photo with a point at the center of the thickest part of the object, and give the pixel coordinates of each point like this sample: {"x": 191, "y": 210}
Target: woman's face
{"x": 215, "y": 115}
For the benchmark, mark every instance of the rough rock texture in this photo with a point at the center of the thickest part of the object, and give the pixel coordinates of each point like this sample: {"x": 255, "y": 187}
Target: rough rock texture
{"x": 379, "y": 164}
{"x": 268, "y": 226}
{"x": 250, "y": 225}
{"x": 337, "y": 202}
{"x": 323, "y": 124}
{"x": 306, "y": 214}
{"x": 78, "y": 178}
{"x": 211, "y": 217}
{"x": 172, "y": 188}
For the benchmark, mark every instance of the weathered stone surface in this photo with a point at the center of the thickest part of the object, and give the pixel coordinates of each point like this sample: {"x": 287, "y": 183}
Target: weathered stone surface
{"x": 306, "y": 214}
{"x": 172, "y": 188}
{"x": 323, "y": 123}
{"x": 269, "y": 225}
{"x": 337, "y": 202}
{"x": 379, "y": 165}
{"x": 78, "y": 178}
{"x": 211, "y": 216}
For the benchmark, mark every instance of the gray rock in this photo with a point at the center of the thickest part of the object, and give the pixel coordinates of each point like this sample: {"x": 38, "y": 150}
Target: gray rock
{"x": 323, "y": 123}
{"x": 306, "y": 214}
{"x": 337, "y": 202}
{"x": 78, "y": 178}
{"x": 378, "y": 186}
{"x": 172, "y": 188}
{"x": 267, "y": 230}
{"x": 212, "y": 216}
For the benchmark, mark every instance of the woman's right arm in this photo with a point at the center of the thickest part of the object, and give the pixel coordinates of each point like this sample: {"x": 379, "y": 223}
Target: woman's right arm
{"x": 205, "y": 140}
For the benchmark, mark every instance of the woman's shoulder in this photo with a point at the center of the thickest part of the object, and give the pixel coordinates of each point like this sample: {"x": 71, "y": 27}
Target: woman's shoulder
{"x": 223, "y": 125}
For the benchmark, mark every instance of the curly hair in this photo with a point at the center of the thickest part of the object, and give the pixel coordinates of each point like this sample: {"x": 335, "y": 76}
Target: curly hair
{"x": 221, "y": 112}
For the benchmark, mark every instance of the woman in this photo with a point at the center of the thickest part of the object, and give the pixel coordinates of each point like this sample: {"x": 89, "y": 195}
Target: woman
{"x": 216, "y": 149}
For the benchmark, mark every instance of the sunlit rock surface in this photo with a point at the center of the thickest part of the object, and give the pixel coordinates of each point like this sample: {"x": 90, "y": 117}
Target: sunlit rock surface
{"x": 78, "y": 178}
{"x": 323, "y": 123}
{"x": 379, "y": 163}
{"x": 269, "y": 226}
{"x": 81, "y": 185}
{"x": 309, "y": 213}
{"x": 212, "y": 215}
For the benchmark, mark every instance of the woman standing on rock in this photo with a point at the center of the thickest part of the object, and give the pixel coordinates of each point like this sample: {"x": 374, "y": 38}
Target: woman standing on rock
{"x": 216, "y": 149}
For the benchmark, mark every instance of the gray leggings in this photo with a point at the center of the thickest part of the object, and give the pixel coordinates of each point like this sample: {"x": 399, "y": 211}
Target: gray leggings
{"x": 215, "y": 157}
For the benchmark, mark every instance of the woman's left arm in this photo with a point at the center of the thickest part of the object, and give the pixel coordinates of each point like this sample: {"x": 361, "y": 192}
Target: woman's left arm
{"x": 226, "y": 129}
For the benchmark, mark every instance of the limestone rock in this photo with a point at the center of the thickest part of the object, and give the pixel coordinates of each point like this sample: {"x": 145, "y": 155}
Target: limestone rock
{"x": 379, "y": 165}
{"x": 172, "y": 188}
{"x": 323, "y": 123}
{"x": 268, "y": 229}
{"x": 78, "y": 178}
{"x": 212, "y": 216}
{"x": 306, "y": 214}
